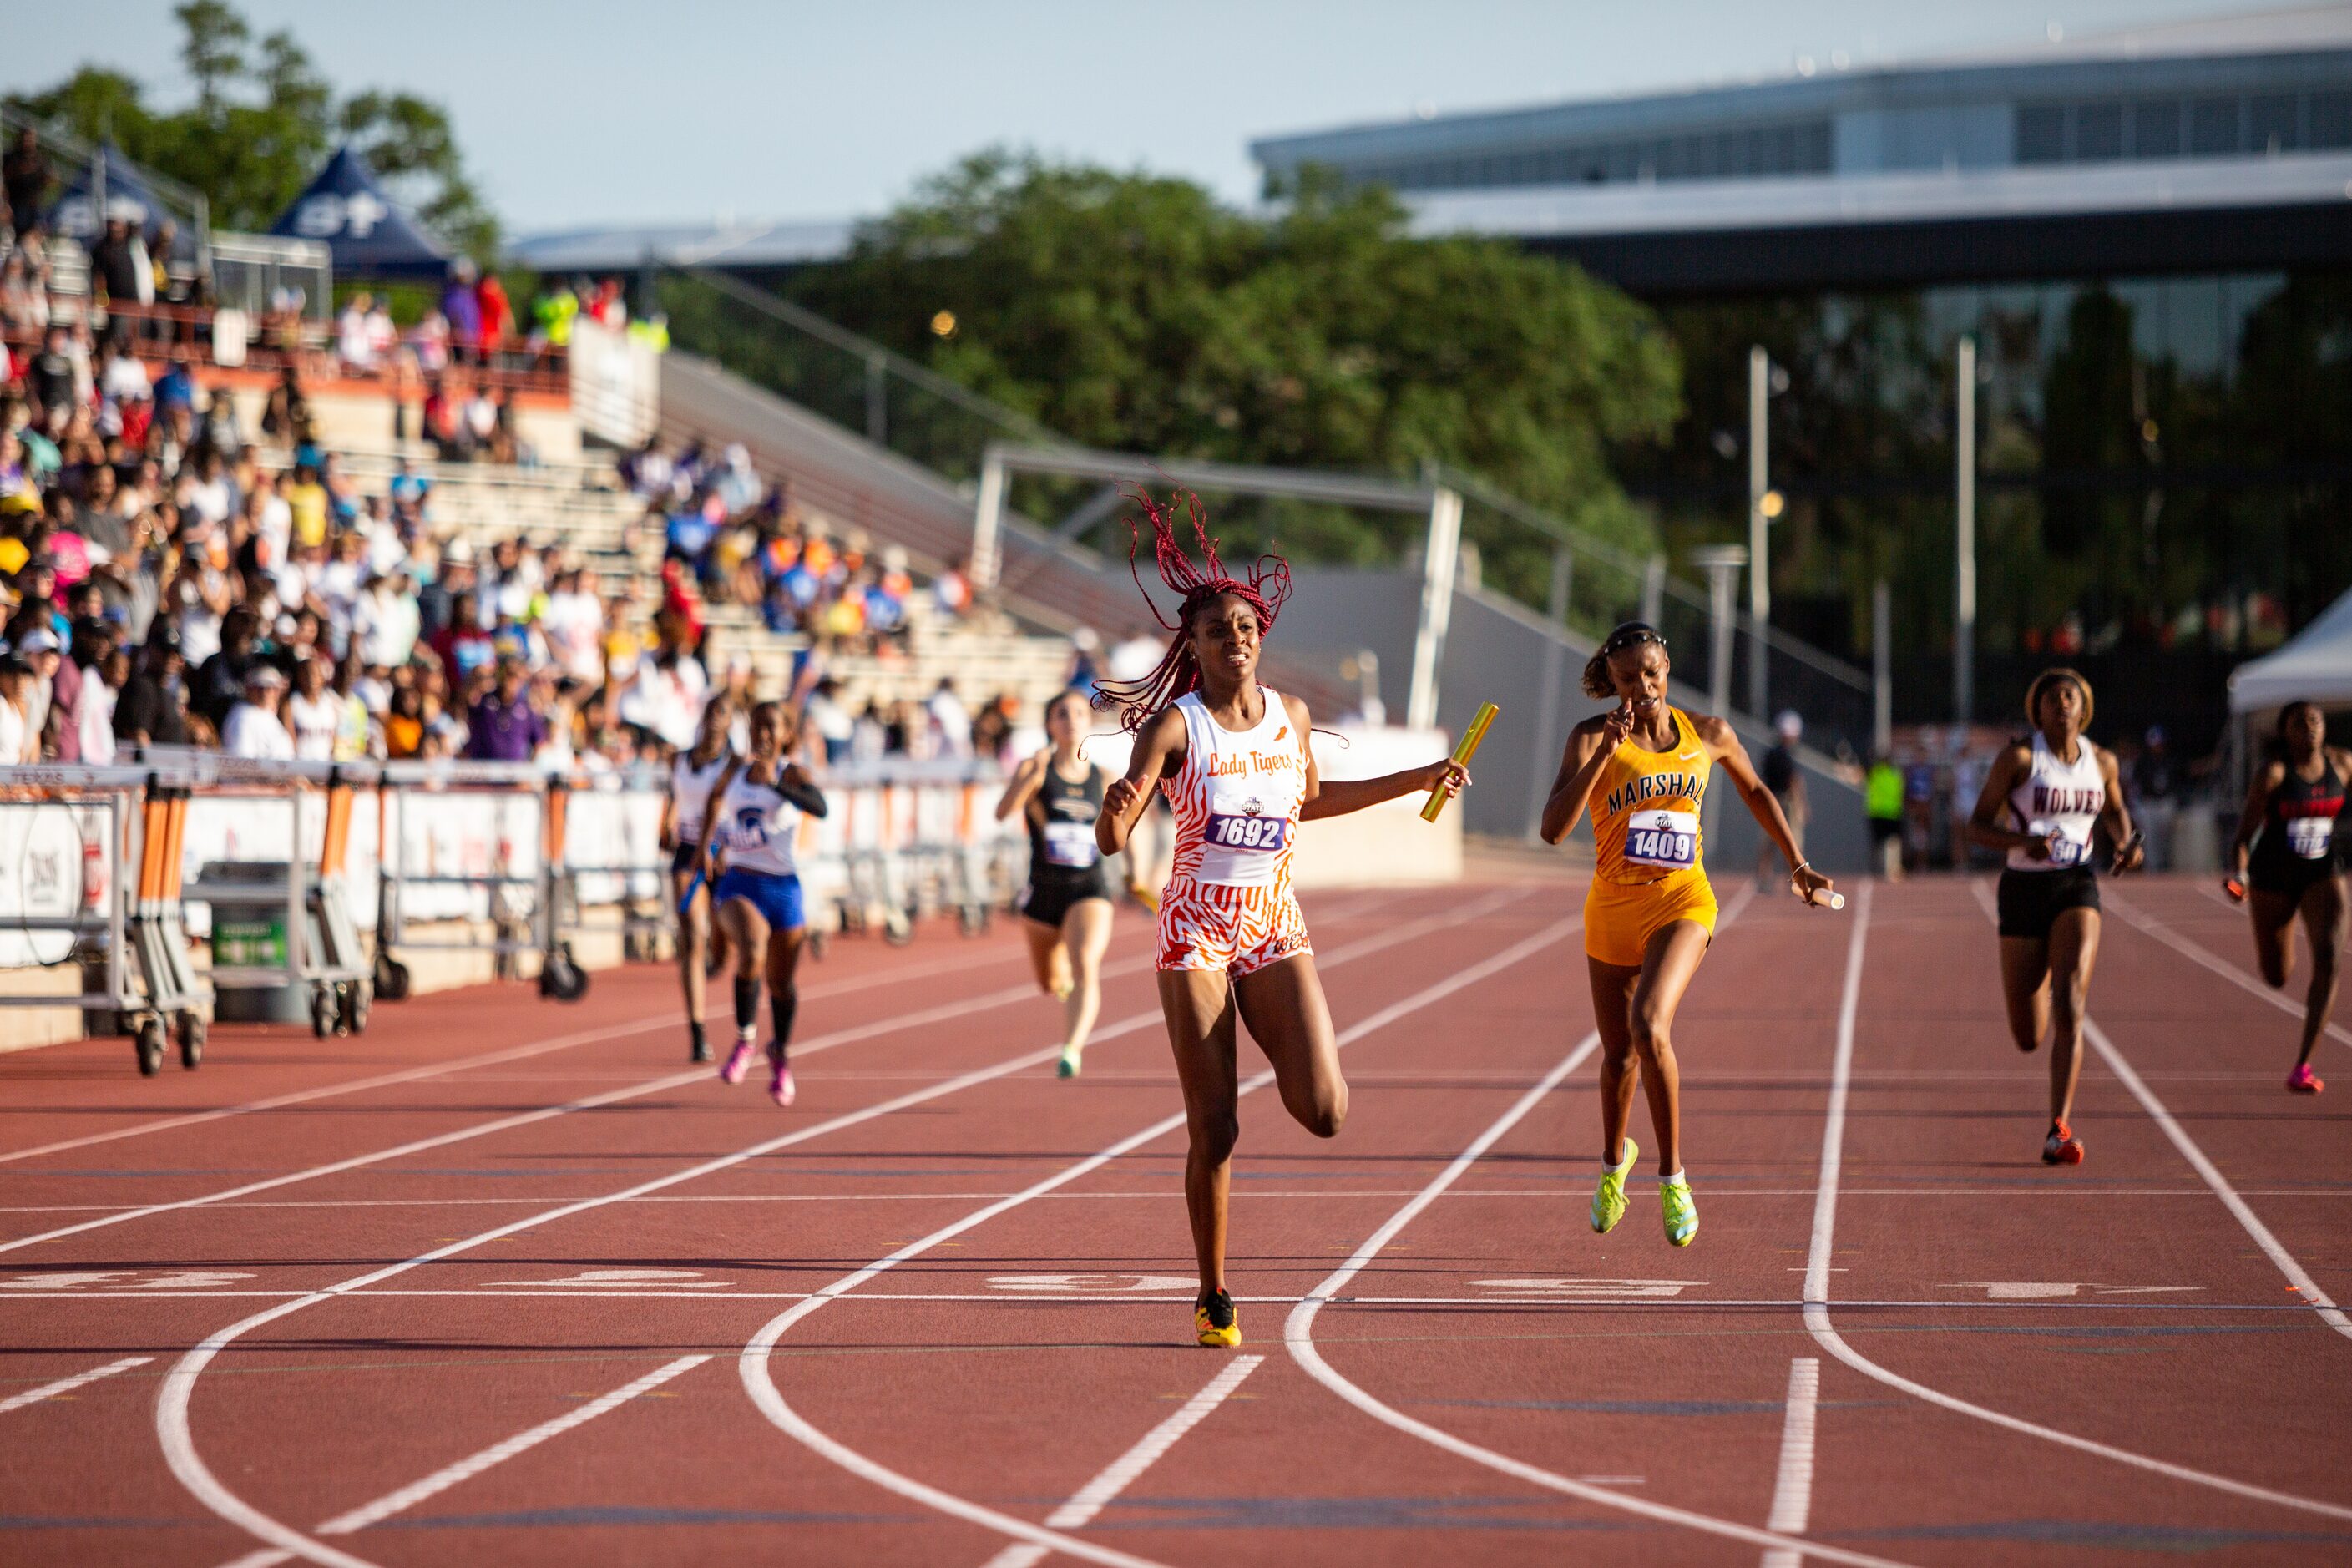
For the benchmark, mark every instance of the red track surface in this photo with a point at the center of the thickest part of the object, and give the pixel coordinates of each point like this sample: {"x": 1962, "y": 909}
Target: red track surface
{"x": 1495, "y": 1383}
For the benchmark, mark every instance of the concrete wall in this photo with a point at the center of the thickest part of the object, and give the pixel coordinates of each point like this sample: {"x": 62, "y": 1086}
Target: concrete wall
{"x": 1498, "y": 652}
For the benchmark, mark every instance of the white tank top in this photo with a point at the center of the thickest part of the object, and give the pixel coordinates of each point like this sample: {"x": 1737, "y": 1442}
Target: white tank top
{"x": 2058, "y": 797}
{"x": 1238, "y": 796}
{"x": 689, "y": 789}
{"x": 757, "y": 826}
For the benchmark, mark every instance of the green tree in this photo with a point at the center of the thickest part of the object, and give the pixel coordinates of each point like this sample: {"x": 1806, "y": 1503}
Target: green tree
{"x": 262, "y": 119}
{"x": 1135, "y": 312}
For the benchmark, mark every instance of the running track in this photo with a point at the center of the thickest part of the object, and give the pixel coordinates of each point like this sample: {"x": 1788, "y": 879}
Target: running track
{"x": 502, "y": 1281}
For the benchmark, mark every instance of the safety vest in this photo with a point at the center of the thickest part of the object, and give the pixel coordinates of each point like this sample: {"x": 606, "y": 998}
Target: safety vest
{"x": 1882, "y": 793}
{"x": 556, "y": 313}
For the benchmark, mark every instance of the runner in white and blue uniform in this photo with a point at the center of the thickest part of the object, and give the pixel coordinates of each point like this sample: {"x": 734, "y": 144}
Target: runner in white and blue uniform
{"x": 693, "y": 774}
{"x": 754, "y": 816}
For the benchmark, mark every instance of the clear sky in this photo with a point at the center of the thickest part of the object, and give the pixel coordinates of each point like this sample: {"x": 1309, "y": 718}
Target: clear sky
{"x": 594, "y": 111}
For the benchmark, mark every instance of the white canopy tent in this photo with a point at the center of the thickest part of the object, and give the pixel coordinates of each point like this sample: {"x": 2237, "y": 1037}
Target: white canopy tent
{"x": 2316, "y": 665}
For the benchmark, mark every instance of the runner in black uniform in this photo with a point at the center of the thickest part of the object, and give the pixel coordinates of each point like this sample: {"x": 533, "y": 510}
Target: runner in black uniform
{"x": 2290, "y": 862}
{"x": 1066, "y": 909}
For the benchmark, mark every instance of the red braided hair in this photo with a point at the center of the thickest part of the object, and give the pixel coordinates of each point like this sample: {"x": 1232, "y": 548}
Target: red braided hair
{"x": 1177, "y": 671}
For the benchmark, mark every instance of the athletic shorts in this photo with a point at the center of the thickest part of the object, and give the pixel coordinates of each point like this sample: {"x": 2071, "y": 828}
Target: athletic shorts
{"x": 2031, "y": 901}
{"x": 778, "y": 899}
{"x": 1620, "y": 918}
{"x": 1046, "y": 902}
{"x": 2290, "y": 876}
{"x": 1208, "y": 925}
{"x": 684, "y": 857}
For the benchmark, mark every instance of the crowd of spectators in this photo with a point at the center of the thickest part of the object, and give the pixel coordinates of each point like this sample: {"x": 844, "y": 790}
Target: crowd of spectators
{"x": 167, "y": 582}
{"x": 744, "y": 542}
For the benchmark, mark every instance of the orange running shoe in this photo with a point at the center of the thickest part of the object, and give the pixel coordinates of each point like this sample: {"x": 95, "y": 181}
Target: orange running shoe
{"x": 2062, "y": 1147}
{"x": 2303, "y": 1080}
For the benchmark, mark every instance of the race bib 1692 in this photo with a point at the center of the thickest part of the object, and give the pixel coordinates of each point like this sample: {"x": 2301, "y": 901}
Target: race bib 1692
{"x": 1264, "y": 835}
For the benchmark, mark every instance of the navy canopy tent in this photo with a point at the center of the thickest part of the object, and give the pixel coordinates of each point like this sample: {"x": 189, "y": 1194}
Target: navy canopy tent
{"x": 370, "y": 233}
{"x": 127, "y": 195}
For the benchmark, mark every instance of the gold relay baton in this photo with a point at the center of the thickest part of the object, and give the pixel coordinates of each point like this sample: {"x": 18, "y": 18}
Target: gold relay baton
{"x": 1463, "y": 750}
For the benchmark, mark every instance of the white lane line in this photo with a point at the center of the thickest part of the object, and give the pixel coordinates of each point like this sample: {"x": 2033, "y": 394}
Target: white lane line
{"x": 268, "y": 1557}
{"x": 2070, "y": 1192}
{"x": 2197, "y": 953}
{"x": 1298, "y": 1335}
{"x": 759, "y": 1379}
{"x": 1792, "y": 1488}
{"x": 442, "y": 1480}
{"x": 1532, "y": 1302}
{"x": 1817, "y": 1280}
{"x": 67, "y": 1385}
{"x": 801, "y": 1049}
{"x": 2286, "y": 1262}
{"x": 172, "y": 1428}
{"x": 1124, "y": 1471}
{"x": 465, "y": 1064}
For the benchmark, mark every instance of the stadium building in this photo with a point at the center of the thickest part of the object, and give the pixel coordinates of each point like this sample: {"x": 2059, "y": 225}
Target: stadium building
{"x": 2148, "y": 235}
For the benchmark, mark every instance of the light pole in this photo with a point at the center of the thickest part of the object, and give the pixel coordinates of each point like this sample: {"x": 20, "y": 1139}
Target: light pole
{"x": 1763, "y": 505}
{"x": 1964, "y": 541}
{"x": 1721, "y": 563}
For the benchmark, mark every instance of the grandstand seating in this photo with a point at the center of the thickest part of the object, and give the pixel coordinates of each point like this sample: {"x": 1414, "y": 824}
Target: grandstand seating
{"x": 585, "y": 505}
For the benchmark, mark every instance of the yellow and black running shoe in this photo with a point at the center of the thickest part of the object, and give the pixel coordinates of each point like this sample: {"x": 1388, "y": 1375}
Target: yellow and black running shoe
{"x": 1214, "y": 1321}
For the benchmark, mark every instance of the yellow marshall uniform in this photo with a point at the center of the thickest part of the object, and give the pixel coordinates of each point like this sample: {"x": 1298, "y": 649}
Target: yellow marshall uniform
{"x": 1650, "y": 871}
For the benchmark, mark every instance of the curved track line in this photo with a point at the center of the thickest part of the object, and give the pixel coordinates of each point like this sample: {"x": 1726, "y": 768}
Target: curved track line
{"x": 172, "y": 1428}
{"x": 1298, "y": 1335}
{"x": 1817, "y": 1278}
{"x": 465, "y": 1064}
{"x": 944, "y": 1013}
{"x": 759, "y": 1380}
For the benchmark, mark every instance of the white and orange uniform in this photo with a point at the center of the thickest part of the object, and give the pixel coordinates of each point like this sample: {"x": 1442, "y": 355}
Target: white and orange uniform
{"x": 1229, "y": 905}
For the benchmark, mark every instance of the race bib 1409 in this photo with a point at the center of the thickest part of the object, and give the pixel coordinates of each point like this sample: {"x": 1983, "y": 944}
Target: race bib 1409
{"x": 1668, "y": 838}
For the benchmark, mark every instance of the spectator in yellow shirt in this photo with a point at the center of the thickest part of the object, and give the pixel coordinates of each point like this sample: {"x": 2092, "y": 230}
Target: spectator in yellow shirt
{"x": 308, "y": 497}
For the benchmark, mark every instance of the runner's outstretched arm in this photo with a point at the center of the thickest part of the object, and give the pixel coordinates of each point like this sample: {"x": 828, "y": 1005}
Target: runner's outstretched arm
{"x": 1158, "y": 751}
{"x": 1337, "y": 797}
{"x": 1723, "y": 742}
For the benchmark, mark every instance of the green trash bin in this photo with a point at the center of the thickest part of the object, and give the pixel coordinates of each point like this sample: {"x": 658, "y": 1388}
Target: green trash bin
{"x": 251, "y": 933}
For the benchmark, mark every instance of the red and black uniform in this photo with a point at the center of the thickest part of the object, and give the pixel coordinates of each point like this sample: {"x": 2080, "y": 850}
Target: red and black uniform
{"x": 2299, "y": 845}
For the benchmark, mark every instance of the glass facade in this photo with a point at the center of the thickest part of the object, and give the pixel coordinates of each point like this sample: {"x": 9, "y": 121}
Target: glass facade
{"x": 1799, "y": 147}
{"x": 2234, "y": 125}
{"x": 2165, "y": 486}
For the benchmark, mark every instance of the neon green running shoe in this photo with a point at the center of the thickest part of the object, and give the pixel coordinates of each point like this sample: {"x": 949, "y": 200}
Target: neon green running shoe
{"x": 1682, "y": 1213}
{"x": 1609, "y": 1197}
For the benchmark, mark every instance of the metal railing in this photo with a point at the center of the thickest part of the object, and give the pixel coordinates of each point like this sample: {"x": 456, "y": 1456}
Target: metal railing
{"x": 1573, "y": 578}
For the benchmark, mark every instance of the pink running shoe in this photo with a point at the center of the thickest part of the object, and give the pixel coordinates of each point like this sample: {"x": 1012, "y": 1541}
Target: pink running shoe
{"x": 2062, "y": 1147}
{"x": 2303, "y": 1080}
{"x": 780, "y": 1088}
{"x": 738, "y": 1062}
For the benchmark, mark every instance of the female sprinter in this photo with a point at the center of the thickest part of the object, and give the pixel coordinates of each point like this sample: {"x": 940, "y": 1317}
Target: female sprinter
{"x": 692, "y": 776}
{"x": 1066, "y": 910}
{"x": 2295, "y": 867}
{"x": 2052, "y": 787}
{"x": 1232, "y": 758}
{"x": 754, "y": 814}
{"x": 1643, "y": 768}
